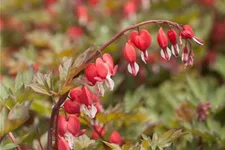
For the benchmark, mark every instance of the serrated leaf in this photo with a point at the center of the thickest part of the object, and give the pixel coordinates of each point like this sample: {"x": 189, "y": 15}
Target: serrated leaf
{"x": 19, "y": 81}
{"x": 10, "y": 146}
{"x": 16, "y": 117}
{"x": 65, "y": 68}
{"x": 19, "y": 111}
{"x": 39, "y": 88}
{"x": 112, "y": 146}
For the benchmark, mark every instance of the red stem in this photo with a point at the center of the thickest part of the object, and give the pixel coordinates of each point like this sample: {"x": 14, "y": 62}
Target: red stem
{"x": 56, "y": 107}
{"x": 13, "y": 139}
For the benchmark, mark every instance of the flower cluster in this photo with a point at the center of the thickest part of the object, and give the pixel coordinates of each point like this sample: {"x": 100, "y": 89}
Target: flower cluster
{"x": 142, "y": 40}
{"x": 101, "y": 72}
{"x": 84, "y": 100}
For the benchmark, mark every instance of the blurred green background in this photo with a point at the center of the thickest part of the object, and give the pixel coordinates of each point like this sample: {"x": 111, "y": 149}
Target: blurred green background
{"x": 40, "y": 34}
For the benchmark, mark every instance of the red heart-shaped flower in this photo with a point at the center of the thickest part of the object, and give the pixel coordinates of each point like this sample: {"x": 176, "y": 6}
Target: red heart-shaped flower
{"x": 141, "y": 40}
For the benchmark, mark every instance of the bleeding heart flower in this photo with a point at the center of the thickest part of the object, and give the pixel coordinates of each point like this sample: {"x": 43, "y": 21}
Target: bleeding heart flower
{"x": 163, "y": 43}
{"x": 87, "y": 96}
{"x": 184, "y": 57}
{"x": 91, "y": 73}
{"x": 173, "y": 40}
{"x": 188, "y": 33}
{"x": 98, "y": 132}
{"x": 130, "y": 55}
{"x": 101, "y": 72}
{"x": 106, "y": 69}
{"x": 190, "y": 60}
{"x": 90, "y": 110}
{"x": 72, "y": 125}
{"x": 82, "y": 100}
{"x": 75, "y": 94}
{"x": 116, "y": 138}
{"x": 62, "y": 144}
{"x": 72, "y": 107}
{"x": 142, "y": 41}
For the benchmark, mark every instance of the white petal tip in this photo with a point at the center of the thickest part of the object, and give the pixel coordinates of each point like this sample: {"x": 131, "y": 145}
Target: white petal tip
{"x": 144, "y": 56}
{"x": 198, "y": 41}
{"x": 166, "y": 56}
{"x": 133, "y": 69}
{"x": 90, "y": 112}
{"x": 110, "y": 83}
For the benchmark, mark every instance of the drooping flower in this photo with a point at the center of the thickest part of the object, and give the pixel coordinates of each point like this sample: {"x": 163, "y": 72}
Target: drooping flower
{"x": 130, "y": 55}
{"x": 142, "y": 41}
{"x": 98, "y": 132}
{"x": 91, "y": 74}
{"x": 163, "y": 43}
{"x": 75, "y": 94}
{"x": 190, "y": 60}
{"x": 184, "y": 57}
{"x": 72, "y": 107}
{"x": 106, "y": 62}
{"x": 72, "y": 125}
{"x": 82, "y": 100}
{"x": 187, "y": 57}
{"x": 62, "y": 144}
{"x": 116, "y": 138}
{"x": 173, "y": 40}
{"x": 101, "y": 72}
{"x": 188, "y": 33}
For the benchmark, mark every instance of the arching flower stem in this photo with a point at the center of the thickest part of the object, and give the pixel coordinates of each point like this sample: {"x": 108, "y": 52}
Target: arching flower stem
{"x": 62, "y": 98}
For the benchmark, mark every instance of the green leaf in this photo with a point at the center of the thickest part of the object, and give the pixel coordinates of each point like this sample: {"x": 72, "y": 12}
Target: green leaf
{"x": 132, "y": 99}
{"x": 195, "y": 88}
{"x": 10, "y": 146}
{"x": 3, "y": 92}
{"x": 19, "y": 81}
{"x": 3, "y": 115}
{"x": 112, "y": 146}
{"x": 167, "y": 137}
{"x": 39, "y": 88}
{"x": 219, "y": 65}
{"x": 19, "y": 111}
{"x": 64, "y": 69}
{"x": 28, "y": 75}
{"x": 16, "y": 117}
{"x": 82, "y": 142}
